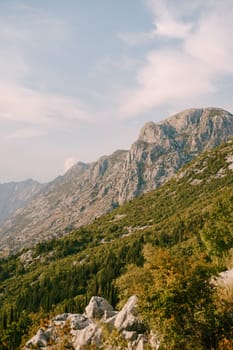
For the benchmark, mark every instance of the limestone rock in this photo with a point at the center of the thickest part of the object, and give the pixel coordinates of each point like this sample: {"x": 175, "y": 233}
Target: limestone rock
{"x": 224, "y": 279}
{"x": 130, "y": 335}
{"x": 40, "y": 340}
{"x": 87, "y": 336}
{"x": 140, "y": 342}
{"x": 87, "y": 329}
{"x": 60, "y": 320}
{"x": 154, "y": 340}
{"x": 78, "y": 322}
{"x": 127, "y": 318}
{"x": 98, "y": 307}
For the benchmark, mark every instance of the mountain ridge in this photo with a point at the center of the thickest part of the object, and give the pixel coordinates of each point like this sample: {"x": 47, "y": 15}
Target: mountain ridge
{"x": 89, "y": 190}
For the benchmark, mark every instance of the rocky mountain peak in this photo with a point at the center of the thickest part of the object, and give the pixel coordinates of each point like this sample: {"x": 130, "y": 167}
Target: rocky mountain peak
{"x": 190, "y": 117}
{"x": 185, "y": 121}
{"x": 193, "y": 129}
{"x": 87, "y": 191}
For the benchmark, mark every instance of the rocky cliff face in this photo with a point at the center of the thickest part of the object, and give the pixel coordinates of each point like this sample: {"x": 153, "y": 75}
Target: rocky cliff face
{"x": 88, "y": 190}
{"x": 15, "y": 195}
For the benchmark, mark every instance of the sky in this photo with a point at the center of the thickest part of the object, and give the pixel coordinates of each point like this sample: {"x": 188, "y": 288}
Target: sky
{"x": 78, "y": 79}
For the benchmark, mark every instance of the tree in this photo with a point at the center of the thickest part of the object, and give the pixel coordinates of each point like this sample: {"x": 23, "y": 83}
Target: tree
{"x": 175, "y": 298}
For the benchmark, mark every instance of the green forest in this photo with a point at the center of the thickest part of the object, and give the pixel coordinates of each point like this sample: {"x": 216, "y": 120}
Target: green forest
{"x": 165, "y": 246}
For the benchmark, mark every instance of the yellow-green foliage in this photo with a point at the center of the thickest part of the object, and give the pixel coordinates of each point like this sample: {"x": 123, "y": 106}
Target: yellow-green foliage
{"x": 177, "y": 300}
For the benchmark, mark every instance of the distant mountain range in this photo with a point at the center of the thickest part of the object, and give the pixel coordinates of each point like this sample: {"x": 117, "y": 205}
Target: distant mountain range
{"x": 14, "y": 195}
{"x": 87, "y": 191}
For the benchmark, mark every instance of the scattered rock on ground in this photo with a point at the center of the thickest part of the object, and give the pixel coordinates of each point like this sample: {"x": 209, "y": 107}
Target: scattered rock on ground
{"x": 89, "y": 329}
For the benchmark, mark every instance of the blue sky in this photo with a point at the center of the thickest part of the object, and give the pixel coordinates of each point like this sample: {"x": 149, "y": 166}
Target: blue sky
{"x": 78, "y": 79}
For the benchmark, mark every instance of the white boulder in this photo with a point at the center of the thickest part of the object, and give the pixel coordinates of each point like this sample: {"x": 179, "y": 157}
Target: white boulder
{"x": 39, "y": 340}
{"x": 91, "y": 335}
{"x": 60, "y": 320}
{"x": 98, "y": 307}
{"x": 127, "y": 318}
{"x": 86, "y": 329}
{"x": 78, "y": 321}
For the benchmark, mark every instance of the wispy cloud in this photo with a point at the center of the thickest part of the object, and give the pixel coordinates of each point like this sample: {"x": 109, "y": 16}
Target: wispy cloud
{"x": 212, "y": 42}
{"x": 42, "y": 108}
{"x": 167, "y": 77}
{"x": 189, "y": 69}
{"x": 24, "y": 29}
{"x": 166, "y": 23}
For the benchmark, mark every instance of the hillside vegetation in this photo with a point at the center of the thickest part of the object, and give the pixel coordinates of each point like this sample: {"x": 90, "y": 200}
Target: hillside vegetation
{"x": 165, "y": 246}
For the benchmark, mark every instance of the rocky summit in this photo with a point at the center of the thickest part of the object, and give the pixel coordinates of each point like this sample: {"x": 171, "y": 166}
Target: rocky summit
{"x": 87, "y": 191}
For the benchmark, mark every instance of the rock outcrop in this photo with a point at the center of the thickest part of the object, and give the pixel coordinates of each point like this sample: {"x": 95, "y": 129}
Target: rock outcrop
{"x": 98, "y": 307}
{"x": 224, "y": 280}
{"x": 127, "y": 318}
{"x": 99, "y": 326}
{"x": 87, "y": 191}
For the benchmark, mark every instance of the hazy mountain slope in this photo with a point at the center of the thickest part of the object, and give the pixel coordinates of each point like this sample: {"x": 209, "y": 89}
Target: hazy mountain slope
{"x": 88, "y": 191}
{"x": 190, "y": 217}
{"x": 14, "y": 195}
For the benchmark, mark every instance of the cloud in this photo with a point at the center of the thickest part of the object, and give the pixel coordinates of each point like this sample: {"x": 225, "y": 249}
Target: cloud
{"x": 212, "y": 42}
{"x": 167, "y": 76}
{"x": 191, "y": 68}
{"x": 20, "y": 103}
{"x": 23, "y": 98}
{"x": 166, "y": 23}
{"x": 69, "y": 162}
{"x": 168, "y": 27}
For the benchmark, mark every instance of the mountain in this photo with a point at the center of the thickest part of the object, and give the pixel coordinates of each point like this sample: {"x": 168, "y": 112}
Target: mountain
{"x": 90, "y": 190}
{"x": 164, "y": 246}
{"x": 14, "y": 195}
